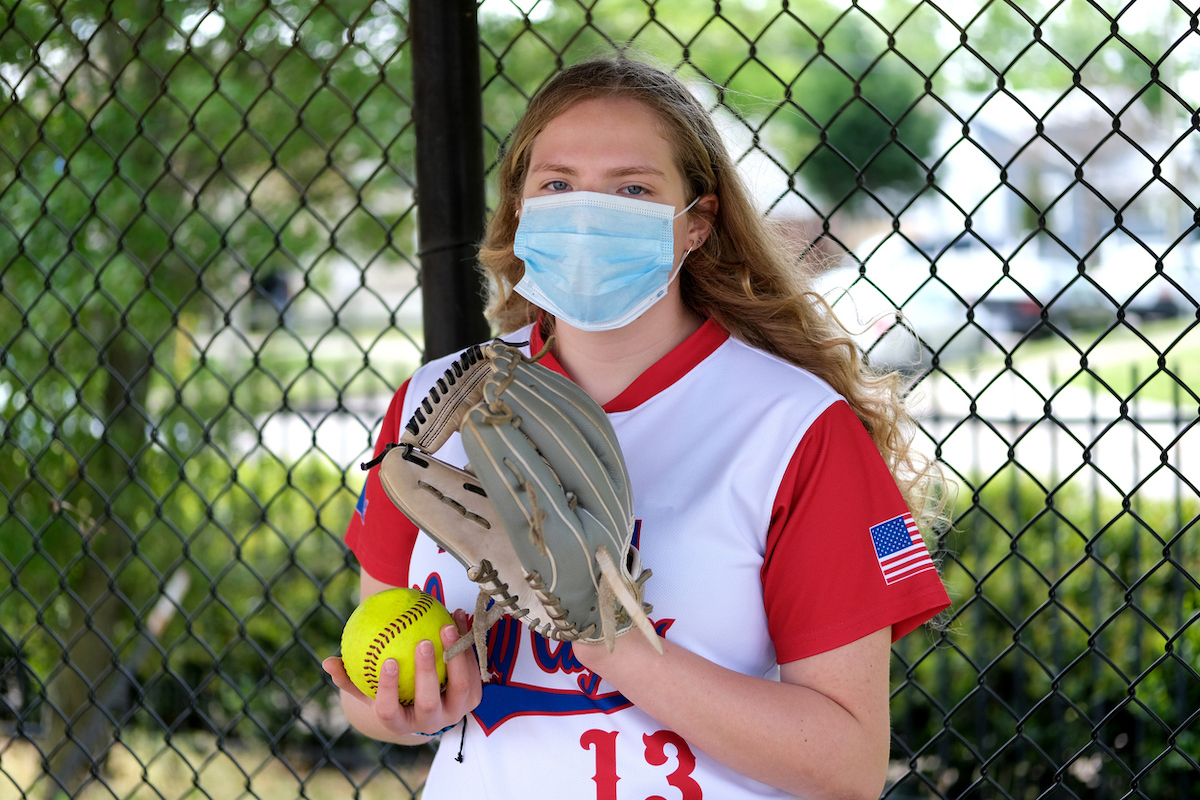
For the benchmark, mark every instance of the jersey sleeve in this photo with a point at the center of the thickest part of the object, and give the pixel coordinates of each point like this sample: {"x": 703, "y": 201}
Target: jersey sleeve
{"x": 379, "y": 534}
{"x": 843, "y": 557}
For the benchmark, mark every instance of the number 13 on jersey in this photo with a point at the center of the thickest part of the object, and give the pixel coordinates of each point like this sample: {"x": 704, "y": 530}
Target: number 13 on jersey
{"x": 605, "y": 745}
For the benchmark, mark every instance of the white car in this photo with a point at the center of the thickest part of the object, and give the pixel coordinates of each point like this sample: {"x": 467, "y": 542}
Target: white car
{"x": 1127, "y": 272}
{"x": 909, "y": 303}
{"x": 900, "y": 328}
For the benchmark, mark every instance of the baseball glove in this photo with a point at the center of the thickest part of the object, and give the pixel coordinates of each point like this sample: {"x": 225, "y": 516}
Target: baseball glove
{"x": 543, "y": 517}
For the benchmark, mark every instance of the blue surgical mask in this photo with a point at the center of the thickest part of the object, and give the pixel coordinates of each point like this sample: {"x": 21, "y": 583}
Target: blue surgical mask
{"x": 596, "y": 261}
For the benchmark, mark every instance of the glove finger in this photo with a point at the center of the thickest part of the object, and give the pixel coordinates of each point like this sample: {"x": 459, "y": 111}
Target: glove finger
{"x": 527, "y": 497}
{"x": 576, "y": 437}
{"x": 447, "y": 503}
{"x": 440, "y": 413}
{"x": 531, "y": 386}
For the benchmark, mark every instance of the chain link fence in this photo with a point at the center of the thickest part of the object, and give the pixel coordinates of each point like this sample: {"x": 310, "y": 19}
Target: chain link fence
{"x": 208, "y": 292}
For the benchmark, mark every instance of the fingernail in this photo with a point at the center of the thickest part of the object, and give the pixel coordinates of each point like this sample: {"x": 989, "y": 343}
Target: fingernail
{"x": 425, "y": 648}
{"x": 390, "y": 667}
{"x": 448, "y": 629}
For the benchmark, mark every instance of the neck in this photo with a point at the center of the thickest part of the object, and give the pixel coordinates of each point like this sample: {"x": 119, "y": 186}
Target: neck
{"x": 605, "y": 363}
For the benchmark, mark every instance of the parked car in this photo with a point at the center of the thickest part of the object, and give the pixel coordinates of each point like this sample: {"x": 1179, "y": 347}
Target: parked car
{"x": 1127, "y": 272}
{"x": 913, "y": 300}
{"x": 898, "y": 326}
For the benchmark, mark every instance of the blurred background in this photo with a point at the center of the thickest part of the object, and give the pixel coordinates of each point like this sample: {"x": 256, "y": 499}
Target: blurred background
{"x": 210, "y": 288}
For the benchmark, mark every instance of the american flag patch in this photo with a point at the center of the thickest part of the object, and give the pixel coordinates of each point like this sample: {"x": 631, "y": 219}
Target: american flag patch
{"x": 361, "y": 507}
{"x": 900, "y": 549}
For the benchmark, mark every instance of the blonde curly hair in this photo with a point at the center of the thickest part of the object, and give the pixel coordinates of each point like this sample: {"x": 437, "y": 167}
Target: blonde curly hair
{"x": 743, "y": 276}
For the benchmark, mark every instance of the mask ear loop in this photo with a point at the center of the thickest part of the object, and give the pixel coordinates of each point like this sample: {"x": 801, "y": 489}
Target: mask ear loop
{"x": 679, "y": 267}
{"x": 686, "y": 208}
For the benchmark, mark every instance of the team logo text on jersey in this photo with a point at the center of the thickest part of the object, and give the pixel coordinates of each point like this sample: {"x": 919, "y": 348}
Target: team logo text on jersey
{"x": 433, "y": 588}
{"x": 505, "y": 698}
{"x": 900, "y": 549}
{"x": 510, "y": 640}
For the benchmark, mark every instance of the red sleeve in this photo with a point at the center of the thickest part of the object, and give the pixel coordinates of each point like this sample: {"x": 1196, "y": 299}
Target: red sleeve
{"x": 379, "y": 534}
{"x": 824, "y": 584}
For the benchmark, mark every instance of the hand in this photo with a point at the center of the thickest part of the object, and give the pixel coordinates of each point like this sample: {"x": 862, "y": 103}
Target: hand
{"x": 383, "y": 717}
{"x": 630, "y": 652}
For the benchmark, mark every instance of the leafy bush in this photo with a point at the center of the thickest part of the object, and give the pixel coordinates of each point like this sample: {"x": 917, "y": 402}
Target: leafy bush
{"x": 1071, "y": 658}
{"x": 270, "y": 582}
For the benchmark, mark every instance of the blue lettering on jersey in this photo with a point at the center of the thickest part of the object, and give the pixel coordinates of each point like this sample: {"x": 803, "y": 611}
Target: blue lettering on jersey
{"x": 433, "y": 588}
{"x": 563, "y": 659}
{"x": 502, "y": 702}
{"x": 504, "y": 642}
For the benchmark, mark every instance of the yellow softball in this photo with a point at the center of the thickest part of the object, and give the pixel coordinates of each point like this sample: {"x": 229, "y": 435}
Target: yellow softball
{"x": 389, "y": 625}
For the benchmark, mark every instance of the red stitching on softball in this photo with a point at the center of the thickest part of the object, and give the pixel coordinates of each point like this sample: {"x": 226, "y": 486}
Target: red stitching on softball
{"x": 374, "y": 651}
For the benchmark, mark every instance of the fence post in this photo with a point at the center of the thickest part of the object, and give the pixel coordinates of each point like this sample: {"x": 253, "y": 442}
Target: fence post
{"x": 448, "y": 117}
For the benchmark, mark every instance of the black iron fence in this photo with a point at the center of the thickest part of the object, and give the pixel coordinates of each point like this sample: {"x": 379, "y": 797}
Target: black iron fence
{"x": 209, "y": 289}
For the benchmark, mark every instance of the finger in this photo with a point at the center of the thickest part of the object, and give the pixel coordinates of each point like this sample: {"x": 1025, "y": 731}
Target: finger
{"x": 335, "y": 668}
{"x": 462, "y": 621}
{"x": 337, "y": 672}
{"x": 427, "y": 689}
{"x": 464, "y": 688}
{"x": 387, "y": 697}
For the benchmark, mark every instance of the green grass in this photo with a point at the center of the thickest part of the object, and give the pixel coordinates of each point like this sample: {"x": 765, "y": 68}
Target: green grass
{"x": 1124, "y": 361}
{"x": 147, "y": 767}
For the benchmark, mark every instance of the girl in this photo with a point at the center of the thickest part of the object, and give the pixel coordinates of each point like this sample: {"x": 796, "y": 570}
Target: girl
{"x": 772, "y": 479}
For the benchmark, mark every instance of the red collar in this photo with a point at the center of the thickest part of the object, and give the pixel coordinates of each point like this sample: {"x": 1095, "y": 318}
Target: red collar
{"x": 662, "y": 374}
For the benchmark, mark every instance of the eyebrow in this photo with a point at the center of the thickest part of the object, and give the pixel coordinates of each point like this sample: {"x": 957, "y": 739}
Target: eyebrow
{"x": 619, "y": 172}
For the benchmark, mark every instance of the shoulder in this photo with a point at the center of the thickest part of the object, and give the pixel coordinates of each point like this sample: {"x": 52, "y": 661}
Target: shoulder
{"x": 771, "y": 373}
{"x": 760, "y": 392}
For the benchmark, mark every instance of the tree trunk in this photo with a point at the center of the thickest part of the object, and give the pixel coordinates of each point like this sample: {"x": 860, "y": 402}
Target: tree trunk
{"x": 80, "y": 731}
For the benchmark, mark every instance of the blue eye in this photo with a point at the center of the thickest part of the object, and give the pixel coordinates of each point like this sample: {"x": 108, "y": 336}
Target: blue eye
{"x": 558, "y": 186}
{"x": 636, "y": 190}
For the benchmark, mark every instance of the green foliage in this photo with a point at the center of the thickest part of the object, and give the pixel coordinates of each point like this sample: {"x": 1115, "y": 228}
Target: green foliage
{"x": 158, "y": 162}
{"x": 822, "y": 87}
{"x": 191, "y": 152}
{"x": 1032, "y": 47}
{"x": 1071, "y": 655}
{"x": 270, "y": 581}
{"x": 838, "y": 100}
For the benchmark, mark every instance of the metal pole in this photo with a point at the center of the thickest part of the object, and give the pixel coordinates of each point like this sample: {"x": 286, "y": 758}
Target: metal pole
{"x": 448, "y": 116}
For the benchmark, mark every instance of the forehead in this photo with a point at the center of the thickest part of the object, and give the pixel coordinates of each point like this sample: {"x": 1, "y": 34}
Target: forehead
{"x": 608, "y": 128}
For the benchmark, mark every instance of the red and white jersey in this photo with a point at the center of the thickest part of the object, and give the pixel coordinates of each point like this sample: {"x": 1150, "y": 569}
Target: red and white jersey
{"x": 774, "y": 532}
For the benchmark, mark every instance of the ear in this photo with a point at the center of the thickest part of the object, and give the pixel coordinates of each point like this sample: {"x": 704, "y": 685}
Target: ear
{"x": 700, "y": 220}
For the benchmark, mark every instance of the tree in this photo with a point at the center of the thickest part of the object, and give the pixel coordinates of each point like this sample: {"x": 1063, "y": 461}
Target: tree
{"x": 821, "y": 88}
{"x": 158, "y": 163}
